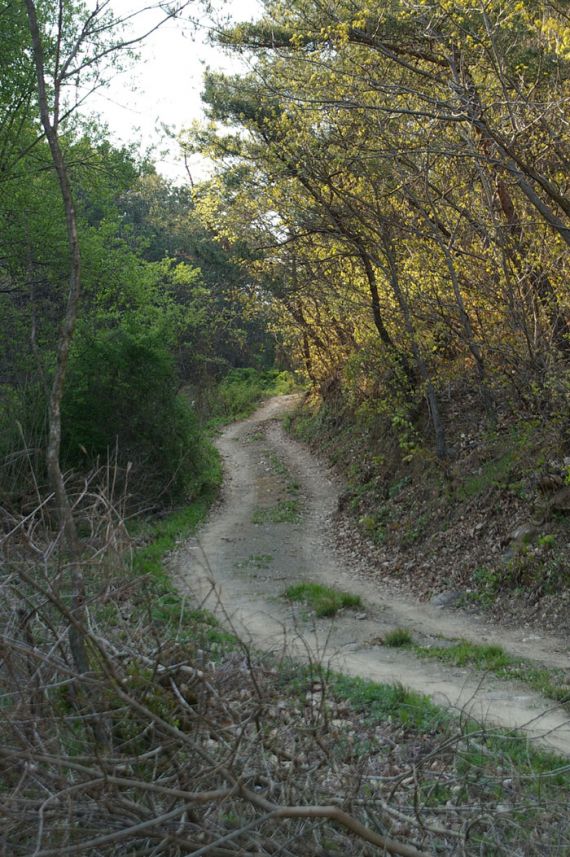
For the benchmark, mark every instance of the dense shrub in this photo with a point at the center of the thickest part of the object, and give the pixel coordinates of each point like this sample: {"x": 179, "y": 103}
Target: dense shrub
{"x": 121, "y": 402}
{"x": 239, "y": 392}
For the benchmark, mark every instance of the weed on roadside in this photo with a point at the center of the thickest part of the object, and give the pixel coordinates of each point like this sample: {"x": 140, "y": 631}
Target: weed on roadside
{"x": 551, "y": 683}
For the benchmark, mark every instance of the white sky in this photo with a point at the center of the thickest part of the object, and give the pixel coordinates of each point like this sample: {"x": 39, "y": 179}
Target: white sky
{"x": 167, "y": 82}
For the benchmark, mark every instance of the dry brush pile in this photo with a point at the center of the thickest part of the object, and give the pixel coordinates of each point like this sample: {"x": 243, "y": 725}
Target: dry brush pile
{"x": 181, "y": 741}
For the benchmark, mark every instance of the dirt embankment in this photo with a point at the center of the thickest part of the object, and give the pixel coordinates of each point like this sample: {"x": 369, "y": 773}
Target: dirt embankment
{"x": 275, "y": 527}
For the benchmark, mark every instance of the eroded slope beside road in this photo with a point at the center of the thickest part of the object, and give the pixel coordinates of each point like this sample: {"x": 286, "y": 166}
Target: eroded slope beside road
{"x": 273, "y": 528}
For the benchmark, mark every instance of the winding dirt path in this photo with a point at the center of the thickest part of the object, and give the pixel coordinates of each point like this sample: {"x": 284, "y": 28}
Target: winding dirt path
{"x": 273, "y": 528}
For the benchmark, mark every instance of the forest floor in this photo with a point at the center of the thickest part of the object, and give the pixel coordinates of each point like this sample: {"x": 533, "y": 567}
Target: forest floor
{"x": 277, "y": 525}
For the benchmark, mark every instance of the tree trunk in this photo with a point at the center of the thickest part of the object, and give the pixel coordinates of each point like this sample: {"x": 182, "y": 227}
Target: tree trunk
{"x": 400, "y": 358}
{"x": 63, "y": 507}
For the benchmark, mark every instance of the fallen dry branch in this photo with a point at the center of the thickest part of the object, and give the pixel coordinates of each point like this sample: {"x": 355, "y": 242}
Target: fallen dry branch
{"x": 333, "y": 813}
{"x": 209, "y": 749}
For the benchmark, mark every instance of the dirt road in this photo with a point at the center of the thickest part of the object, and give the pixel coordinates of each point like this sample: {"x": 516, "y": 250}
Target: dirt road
{"x": 273, "y": 528}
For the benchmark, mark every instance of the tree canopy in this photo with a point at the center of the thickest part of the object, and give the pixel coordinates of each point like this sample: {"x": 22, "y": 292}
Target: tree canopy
{"x": 114, "y": 294}
{"x": 399, "y": 172}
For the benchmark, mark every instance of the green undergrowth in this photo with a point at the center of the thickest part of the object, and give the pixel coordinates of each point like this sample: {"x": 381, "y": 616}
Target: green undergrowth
{"x": 239, "y": 393}
{"x": 164, "y": 534}
{"x": 121, "y": 405}
{"x": 172, "y": 613}
{"x": 552, "y": 683}
{"x": 478, "y": 748}
{"x": 392, "y": 702}
{"x": 380, "y": 702}
{"x": 323, "y": 600}
{"x": 533, "y": 567}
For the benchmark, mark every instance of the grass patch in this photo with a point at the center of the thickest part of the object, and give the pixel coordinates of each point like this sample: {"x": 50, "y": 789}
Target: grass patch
{"x": 464, "y": 654}
{"x": 510, "y": 461}
{"x": 284, "y": 512}
{"x": 324, "y": 600}
{"x": 398, "y": 638}
{"x": 494, "y": 474}
{"x": 280, "y": 469}
{"x": 277, "y": 465}
{"x": 389, "y": 702}
{"x": 551, "y": 683}
{"x": 163, "y": 535}
{"x": 541, "y": 568}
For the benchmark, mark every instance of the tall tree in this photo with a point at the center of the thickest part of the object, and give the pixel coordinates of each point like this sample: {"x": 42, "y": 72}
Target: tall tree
{"x": 81, "y": 43}
{"x": 405, "y": 139}
{"x": 70, "y": 44}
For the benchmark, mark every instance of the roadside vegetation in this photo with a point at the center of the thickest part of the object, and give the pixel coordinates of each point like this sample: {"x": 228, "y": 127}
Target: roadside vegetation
{"x": 241, "y": 390}
{"x": 548, "y": 681}
{"x": 492, "y": 527}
